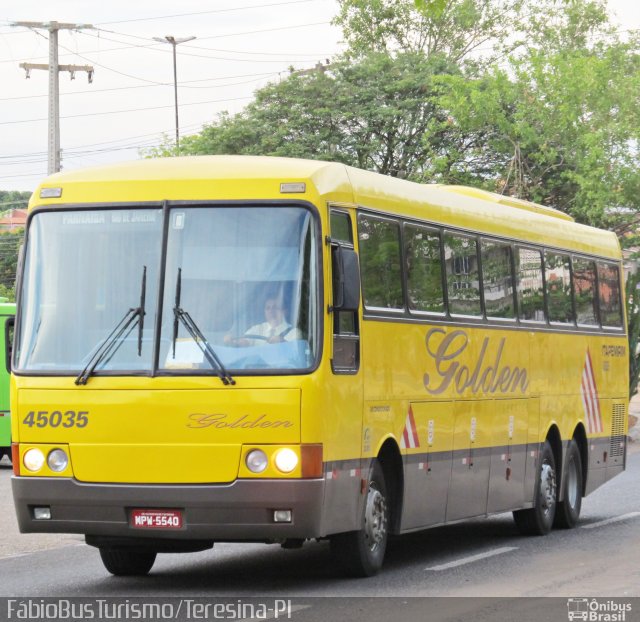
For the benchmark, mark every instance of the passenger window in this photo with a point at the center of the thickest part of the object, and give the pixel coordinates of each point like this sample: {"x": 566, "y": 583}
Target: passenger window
{"x": 497, "y": 280}
{"x": 463, "y": 282}
{"x": 380, "y": 263}
{"x": 558, "y": 285}
{"x": 423, "y": 267}
{"x": 584, "y": 284}
{"x": 529, "y": 285}
{"x": 609, "y": 295}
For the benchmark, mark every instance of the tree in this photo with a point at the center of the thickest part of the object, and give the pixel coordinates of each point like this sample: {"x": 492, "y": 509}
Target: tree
{"x": 10, "y": 243}
{"x": 13, "y": 199}
{"x": 559, "y": 125}
{"x": 373, "y": 114}
{"x": 633, "y": 327}
{"x": 451, "y": 29}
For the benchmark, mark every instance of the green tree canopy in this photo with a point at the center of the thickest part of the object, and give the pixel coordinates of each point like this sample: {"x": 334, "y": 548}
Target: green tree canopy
{"x": 373, "y": 114}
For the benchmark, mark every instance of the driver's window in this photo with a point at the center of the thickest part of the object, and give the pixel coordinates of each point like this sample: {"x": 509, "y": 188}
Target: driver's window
{"x": 346, "y": 333}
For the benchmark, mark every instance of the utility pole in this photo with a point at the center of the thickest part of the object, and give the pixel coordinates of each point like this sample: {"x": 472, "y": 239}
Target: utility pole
{"x": 54, "y": 69}
{"x": 175, "y": 42}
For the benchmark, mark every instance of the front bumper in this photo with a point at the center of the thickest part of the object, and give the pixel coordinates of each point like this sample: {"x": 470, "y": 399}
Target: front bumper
{"x": 240, "y": 511}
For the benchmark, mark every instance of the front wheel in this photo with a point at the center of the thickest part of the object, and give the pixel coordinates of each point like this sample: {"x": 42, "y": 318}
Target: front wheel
{"x": 127, "y": 561}
{"x": 361, "y": 552}
{"x": 538, "y": 520}
{"x": 568, "y": 511}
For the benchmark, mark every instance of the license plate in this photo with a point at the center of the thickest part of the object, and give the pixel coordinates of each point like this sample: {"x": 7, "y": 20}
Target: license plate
{"x": 156, "y": 519}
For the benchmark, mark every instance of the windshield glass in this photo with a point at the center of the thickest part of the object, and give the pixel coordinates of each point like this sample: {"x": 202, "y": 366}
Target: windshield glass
{"x": 240, "y": 291}
{"x": 83, "y": 273}
{"x": 246, "y": 277}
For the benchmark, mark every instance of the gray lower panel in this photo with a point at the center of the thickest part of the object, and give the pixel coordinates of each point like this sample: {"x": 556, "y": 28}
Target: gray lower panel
{"x": 242, "y": 510}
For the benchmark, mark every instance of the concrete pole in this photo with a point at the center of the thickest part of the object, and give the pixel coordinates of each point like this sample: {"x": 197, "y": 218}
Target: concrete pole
{"x": 53, "y": 165}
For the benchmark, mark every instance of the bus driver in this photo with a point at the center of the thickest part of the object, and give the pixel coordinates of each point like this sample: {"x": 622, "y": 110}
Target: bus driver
{"x": 275, "y": 328}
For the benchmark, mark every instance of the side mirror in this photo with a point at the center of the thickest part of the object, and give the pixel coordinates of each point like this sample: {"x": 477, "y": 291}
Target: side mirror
{"x": 346, "y": 279}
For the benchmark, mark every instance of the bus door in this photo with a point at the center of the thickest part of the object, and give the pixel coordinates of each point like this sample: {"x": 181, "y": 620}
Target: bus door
{"x": 343, "y": 429}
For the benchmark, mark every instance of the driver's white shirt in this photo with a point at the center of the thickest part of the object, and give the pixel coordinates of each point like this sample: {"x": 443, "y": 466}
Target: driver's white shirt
{"x": 265, "y": 330}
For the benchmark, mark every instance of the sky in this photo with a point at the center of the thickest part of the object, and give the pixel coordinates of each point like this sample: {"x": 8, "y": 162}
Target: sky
{"x": 240, "y": 46}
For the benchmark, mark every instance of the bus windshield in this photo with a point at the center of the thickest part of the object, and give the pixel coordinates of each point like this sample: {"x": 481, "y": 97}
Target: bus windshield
{"x": 240, "y": 282}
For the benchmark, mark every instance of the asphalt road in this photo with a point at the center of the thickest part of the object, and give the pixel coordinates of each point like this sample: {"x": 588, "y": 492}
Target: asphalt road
{"x": 480, "y": 558}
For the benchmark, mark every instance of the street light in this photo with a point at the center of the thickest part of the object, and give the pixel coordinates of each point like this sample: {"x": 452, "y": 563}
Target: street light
{"x": 174, "y": 43}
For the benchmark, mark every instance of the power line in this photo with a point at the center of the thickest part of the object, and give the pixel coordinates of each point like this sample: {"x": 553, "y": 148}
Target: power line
{"x": 186, "y": 84}
{"x": 95, "y": 114}
{"x": 156, "y": 48}
{"x": 238, "y": 8}
{"x": 21, "y": 202}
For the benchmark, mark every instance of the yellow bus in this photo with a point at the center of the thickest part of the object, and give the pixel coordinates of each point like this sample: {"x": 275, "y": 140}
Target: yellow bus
{"x": 228, "y": 348}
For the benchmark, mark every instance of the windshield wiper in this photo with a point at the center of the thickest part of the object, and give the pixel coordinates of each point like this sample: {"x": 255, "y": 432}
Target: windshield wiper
{"x": 180, "y": 315}
{"x": 118, "y": 335}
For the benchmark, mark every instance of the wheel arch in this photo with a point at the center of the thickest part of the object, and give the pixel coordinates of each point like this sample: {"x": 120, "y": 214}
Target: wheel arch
{"x": 580, "y": 437}
{"x": 391, "y": 462}
{"x": 555, "y": 440}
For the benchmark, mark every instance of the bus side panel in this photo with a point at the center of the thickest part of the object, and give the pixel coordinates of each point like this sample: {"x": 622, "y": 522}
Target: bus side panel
{"x": 427, "y": 467}
{"x": 471, "y": 459}
{"x": 533, "y": 447}
{"x": 5, "y": 416}
{"x": 509, "y": 455}
{"x": 335, "y": 403}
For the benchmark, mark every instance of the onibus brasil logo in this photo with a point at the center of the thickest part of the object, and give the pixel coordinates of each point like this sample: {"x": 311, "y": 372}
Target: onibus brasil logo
{"x": 597, "y": 610}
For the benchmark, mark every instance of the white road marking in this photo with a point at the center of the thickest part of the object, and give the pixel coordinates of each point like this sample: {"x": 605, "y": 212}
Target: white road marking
{"x": 608, "y": 521}
{"x": 473, "y": 558}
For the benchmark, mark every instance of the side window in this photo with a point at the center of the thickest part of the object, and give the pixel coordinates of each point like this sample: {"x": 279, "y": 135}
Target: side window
{"x": 345, "y": 358}
{"x": 530, "y": 285}
{"x": 8, "y": 341}
{"x": 463, "y": 280}
{"x": 497, "y": 281}
{"x": 609, "y": 295}
{"x": 423, "y": 266}
{"x": 341, "y": 227}
{"x": 558, "y": 285}
{"x": 380, "y": 262}
{"x": 584, "y": 286}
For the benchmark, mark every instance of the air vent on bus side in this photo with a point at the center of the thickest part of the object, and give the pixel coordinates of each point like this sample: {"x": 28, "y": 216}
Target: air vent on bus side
{"x": 618, "y": 413}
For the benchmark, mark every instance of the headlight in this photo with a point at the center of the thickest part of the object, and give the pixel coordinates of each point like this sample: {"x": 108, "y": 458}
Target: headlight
{"x": 57, "y": 460}
{"x": 33, "y": 459}
{"x": 256, "y": 461}
{"x": 286, "y": 460}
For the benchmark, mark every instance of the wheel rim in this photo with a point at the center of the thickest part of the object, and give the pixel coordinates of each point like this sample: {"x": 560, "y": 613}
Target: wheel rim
{"x": 572, "y": 484}
{"x": 375, "y": 518}
{"x": 547, "y": 488}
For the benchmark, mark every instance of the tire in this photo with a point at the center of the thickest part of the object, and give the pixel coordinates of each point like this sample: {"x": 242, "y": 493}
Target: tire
{"x": 538, "y": 520}
{"x": 361, "y": 553}
{"x": 568, "y": 510}
{"x": 127, "y": 561}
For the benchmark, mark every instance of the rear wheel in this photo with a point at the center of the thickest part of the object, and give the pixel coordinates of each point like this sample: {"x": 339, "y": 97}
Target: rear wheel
{"x": 127, "y": 561}
{"x": 361, "y": 552}
{"x": 568, "y": 510}
{"x": 538, "y": 520}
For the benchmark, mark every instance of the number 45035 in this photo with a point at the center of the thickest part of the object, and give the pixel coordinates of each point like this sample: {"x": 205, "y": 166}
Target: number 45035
{"x": 57, "y": 418}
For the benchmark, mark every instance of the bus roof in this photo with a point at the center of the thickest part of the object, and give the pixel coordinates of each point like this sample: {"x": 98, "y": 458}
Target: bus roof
{"x": 195, "y": 178}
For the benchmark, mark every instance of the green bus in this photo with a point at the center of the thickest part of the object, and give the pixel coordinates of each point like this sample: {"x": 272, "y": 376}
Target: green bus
{"x": 7, "y": 314}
